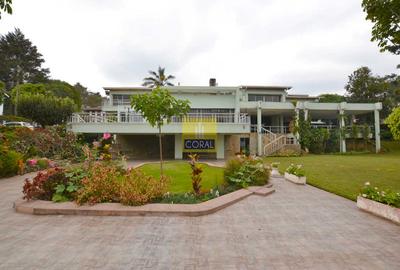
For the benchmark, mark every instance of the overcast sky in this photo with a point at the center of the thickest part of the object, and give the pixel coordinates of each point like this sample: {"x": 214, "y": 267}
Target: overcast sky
{"x": 312, "y": 45}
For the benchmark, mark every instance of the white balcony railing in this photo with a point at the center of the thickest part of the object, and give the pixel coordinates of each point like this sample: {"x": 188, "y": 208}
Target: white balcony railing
{"x": 130, "y": 117}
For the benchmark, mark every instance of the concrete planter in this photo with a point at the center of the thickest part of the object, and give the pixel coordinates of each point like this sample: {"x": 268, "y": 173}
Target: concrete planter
{"x": 379, "y": 209}
{"x": 275, "y": 172}
{"x": 295, "y": 179}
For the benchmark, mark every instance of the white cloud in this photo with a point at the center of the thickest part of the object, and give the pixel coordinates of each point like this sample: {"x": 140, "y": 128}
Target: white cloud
{"x": 312, "y": 45}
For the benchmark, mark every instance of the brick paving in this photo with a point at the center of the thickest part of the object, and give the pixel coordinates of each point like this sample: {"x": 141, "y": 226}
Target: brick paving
{"x": 298, "y": 227}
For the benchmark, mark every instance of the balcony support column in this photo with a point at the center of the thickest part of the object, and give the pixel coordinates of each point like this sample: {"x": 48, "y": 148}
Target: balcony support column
{"x": 220, "y": 146}
{"x": 178, "y": 146}
{"x": 342, "y": 124}
{"x": 377, "y": 132}
{"x": 259, "y": 130}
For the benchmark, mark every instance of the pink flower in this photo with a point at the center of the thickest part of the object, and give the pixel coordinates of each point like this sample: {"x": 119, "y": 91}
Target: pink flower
{"x": 106, "y": 136}
{"x": 32, "y": 162}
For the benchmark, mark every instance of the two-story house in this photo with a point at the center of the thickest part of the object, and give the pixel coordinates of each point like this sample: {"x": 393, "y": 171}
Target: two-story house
{"x": 257, "y": 119}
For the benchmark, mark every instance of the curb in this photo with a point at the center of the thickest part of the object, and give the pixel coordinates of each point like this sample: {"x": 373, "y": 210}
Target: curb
{"x": 39, "y": 207}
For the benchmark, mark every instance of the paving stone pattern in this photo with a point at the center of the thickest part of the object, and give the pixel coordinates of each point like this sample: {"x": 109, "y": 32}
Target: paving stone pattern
{"x": 297, "y": 227}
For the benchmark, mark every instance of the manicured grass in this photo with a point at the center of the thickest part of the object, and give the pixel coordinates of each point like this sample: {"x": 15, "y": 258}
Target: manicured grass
{"x": 345, "y": 175}
{"x": 180, "y": 175}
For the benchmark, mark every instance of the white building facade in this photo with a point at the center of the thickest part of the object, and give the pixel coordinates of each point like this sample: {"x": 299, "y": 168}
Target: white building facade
{"x": 254, "y": 119}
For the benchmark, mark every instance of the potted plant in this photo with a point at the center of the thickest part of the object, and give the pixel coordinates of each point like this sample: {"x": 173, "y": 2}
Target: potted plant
{"x": 275, "y": 171}
{"x": 295, "y": 174}
{"x": 383, "y": 203}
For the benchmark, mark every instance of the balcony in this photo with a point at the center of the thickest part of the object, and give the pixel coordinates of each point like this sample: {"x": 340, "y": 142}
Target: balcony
{"x": 130, "y": 122}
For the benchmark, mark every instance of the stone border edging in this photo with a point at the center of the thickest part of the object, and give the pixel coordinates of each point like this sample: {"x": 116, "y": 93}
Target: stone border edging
{"x": 379, "y": 209}
{"x": 39, "y": 207}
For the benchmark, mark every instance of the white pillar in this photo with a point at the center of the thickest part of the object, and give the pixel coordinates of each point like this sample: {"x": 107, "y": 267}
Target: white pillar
{"x": 342, "y": 124}
{"x": 377, "y": 132}
{"x": 297, "y": 135}
{"x": 305, "y": 114}
{"x": 281, "y": 121}
{"x": 178, "y": 146}
{"x": 220, "y": 146}
{"x": 259, "y": 131}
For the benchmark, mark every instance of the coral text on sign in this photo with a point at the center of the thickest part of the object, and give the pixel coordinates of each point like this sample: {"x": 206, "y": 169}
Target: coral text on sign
{"x": 199, "y": 144}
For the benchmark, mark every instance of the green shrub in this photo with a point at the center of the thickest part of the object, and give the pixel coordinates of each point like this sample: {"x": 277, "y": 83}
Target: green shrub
{"x": 9, "y": 162}
{"x": 296, "y": 170}
{"x": 244, "y": 171}
{"x": 388, "y": 197}
{"x": 136, "y": 188}
{"x": 14, "y": 118}
{"x": 43, "y": 163}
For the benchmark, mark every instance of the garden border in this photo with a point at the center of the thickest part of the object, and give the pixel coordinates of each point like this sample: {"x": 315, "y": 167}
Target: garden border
{"x": 379, "y": 209}
{"x": 39, "y": 207}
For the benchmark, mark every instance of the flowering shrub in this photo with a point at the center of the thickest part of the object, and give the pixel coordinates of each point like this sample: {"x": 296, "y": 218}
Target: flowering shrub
{"x": 100, "y": 185}
{"x": 244, "y": 171}
{"x": 136, "y": 188}
{"x": 50, "y": 142}
{"x": 388, "y": 197}
{"x": 107, "y": 183}
{"x": 44, "y": 184}
{"x": 33, "y": 164}
{"x": 296, "y": 170}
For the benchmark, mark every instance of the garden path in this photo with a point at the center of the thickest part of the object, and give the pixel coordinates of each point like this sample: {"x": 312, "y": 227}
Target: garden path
{"x": 298, "y": 227}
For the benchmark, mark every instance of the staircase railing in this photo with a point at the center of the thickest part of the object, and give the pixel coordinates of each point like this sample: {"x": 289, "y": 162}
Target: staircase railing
{"x": 278, "y": 143}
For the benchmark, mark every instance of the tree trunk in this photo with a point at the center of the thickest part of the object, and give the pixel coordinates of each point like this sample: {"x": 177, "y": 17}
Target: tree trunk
{"x": 161, "y": 157}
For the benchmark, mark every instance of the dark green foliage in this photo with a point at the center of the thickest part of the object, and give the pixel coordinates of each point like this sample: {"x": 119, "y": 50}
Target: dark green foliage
{"x": 5, "y": 6}
{"x": 384, "y": 14}
{"x": 331, "y": 98}
{"x": 20, "y": 60}
{"x": 14, "y": 118}
{"x": 364, "y": 87}
{"x": 45, "y": 110}
{"x": 158, "y": 79}
{"x": 89, "y": 99}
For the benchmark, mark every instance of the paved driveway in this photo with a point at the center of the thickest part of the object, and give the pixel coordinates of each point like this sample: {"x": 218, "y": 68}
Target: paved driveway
{"x": 298, "y": 227}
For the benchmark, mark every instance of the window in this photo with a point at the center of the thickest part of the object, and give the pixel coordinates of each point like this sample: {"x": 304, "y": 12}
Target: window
{"x": 197, "y": 110}
{"x": 264, "y": 98}
{"x": 121, "y": 100}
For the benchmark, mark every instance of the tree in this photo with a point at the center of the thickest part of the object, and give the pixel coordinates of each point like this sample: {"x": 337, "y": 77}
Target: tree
{"x": 2, "y": 92}
{"x": 385, "y": 15}
{"x": 331, "y": 98}
{"x": 45, "y": 109}
{"x": 158, "y": 107}
{"x": 393, "y": 122}
{"x": 89, "y": 99}
{"x": 20, "y": 61}
{"x": 158, "y": 79}
{"x": 5, "y": 6}
{"x": 63, "y": 89}
{"x": 364, "y": 87}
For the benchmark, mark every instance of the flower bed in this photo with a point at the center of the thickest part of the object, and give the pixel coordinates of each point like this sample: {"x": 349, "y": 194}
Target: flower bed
{"x": 383, "y": 203}
{"x": 295, "y": 174}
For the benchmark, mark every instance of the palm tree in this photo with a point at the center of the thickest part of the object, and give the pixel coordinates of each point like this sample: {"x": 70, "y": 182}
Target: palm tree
{"x": 158, "y": 79}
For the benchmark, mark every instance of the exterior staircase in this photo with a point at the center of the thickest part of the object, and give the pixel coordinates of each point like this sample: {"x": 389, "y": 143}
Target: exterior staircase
{"x": 277, "y": 142}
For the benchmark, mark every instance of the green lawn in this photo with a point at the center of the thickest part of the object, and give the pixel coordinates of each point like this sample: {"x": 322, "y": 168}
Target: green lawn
{"x": 345, "y": 175}
{"x": 180, "y": 175}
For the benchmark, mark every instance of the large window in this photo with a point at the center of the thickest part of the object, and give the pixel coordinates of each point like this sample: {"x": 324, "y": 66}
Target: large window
{"x": 216, "y": 110}
{"x": 265, "y": 98}
{"x": 121, "y": 100}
